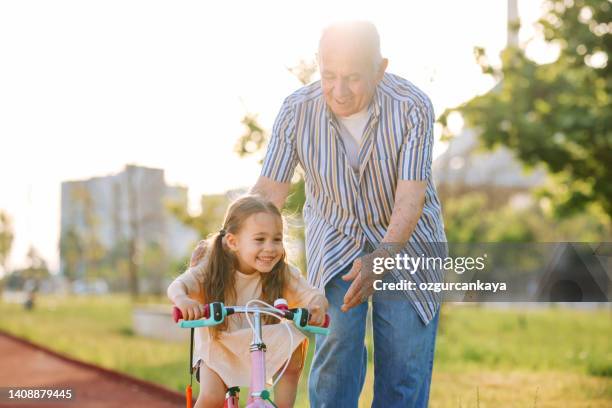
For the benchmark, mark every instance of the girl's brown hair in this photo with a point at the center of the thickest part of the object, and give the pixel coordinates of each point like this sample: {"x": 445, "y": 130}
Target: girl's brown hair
{"x": 219, "y": 278}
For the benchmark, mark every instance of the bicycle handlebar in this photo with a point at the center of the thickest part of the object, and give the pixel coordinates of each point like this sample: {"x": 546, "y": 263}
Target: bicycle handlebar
{"x": 299, "y": 316}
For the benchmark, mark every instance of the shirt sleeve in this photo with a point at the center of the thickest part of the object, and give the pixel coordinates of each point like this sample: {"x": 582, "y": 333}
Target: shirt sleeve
{"x": 281, "y": 157}
{"x": 416, "y": 151}
{"x": 193, "y": 277}
{"x": 298, "y": 292}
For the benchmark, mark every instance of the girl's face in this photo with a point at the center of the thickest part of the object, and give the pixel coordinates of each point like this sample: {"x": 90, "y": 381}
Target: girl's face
{"x": 258, "y": 244}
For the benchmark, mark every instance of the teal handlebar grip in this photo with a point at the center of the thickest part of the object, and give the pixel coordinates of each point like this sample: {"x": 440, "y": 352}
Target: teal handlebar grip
{"x": 317, "y": 330}
{"x": 300, "y": 318}
{"x": 217, "y": 314}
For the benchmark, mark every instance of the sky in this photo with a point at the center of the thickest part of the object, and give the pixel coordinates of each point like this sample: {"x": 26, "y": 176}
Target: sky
{"x": 87, "y": 87}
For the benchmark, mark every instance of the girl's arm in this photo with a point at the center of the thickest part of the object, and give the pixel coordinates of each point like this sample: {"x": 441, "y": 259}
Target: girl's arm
{"x": 186, "y": 299}
{"x": 298, "y": 291}
{"x": 186, "y": 290}
{"x": 300, "y": 294}
{"x": 177, "y": 290}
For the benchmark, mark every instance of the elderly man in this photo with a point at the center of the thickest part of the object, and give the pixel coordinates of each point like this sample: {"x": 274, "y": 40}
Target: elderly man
{"x": 364, "y": 140}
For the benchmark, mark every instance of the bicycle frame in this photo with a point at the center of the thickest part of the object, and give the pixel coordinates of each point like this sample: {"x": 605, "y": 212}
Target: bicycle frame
{"x": 216, "y": 312}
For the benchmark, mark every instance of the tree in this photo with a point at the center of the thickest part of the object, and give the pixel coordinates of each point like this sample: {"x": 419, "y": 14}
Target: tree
{"x": 155, "y": 263}
{"x": 560, "y": 113}
{"x": 134, "y": 233}
{"x": 255, "y": 138}
{"x": 36, "y": 269}
{"x": 6, "y": 239}
{"x": 210, "y": 217}
{"x": 71, "y": 253}
{"x": 84, "y": 243}
{"x": 469, "y": 218}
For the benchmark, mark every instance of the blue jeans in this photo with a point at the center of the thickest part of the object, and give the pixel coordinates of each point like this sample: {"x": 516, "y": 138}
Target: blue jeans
{"x": 403, "y": 354}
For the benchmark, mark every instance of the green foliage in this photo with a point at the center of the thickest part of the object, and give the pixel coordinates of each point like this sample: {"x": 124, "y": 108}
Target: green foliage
{"x": 36, "y": 266}
{"x": 36, "y": 270}
{"x": 600, "y": 368}
{"x": 156, "y": 266}
{"x": 254, "y": 137}
{"x": 6, "y": 238}
{"x": 296, "y": 198}
{"x": 559, "y": 114}
{"x": 304, "y": 71}
{"x": 70, "y": 252}
{"x": 81, "y": 248}
{"x": 210, "y": 218}
{"x": 469, "y": 219}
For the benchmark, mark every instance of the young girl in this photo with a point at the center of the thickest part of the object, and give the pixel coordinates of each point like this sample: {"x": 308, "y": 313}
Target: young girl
{"x": 245, "y": 260}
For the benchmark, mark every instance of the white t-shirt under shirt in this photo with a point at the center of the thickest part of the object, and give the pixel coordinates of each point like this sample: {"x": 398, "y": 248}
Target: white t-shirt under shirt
{"x": 351, "y": 131}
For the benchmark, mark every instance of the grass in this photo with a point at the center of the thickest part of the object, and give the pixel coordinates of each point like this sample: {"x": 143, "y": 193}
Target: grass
{"x": 484, "y": 357}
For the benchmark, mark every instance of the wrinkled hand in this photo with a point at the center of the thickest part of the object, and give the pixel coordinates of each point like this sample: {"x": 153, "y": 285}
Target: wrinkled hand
{"x": 190, "y": 309}
{"x": 317, "y": 309}
{"x": 363, "y": 280}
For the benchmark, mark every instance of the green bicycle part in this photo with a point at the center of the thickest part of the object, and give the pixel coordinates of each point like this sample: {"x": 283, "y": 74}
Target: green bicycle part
{"x": 265, "y": 395}
{"x": 300, "y": 318}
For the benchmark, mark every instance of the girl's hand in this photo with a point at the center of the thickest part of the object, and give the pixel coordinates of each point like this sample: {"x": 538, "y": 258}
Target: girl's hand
{"x": 191, "y": 309}
{"x": 317, "y": 309}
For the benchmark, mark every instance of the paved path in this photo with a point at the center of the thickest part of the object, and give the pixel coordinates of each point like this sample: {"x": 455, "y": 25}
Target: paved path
{"x": 23, "y": 364}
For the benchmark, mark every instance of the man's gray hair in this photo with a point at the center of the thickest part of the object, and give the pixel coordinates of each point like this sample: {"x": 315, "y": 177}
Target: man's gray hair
{"x": 363, "y": 33}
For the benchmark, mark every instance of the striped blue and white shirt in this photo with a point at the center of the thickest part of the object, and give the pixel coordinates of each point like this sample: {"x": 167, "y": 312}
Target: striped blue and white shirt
{"x": 347, "y": 210}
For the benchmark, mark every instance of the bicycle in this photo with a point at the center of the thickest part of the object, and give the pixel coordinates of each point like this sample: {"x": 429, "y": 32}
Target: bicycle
{"x": 216, "y": 312}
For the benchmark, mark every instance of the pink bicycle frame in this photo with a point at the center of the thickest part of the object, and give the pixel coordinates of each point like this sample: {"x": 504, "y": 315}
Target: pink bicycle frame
{"x": 258, "y": 367}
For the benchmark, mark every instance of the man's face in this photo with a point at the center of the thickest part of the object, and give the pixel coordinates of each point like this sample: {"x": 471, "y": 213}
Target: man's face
{"x": 348, "y": 77}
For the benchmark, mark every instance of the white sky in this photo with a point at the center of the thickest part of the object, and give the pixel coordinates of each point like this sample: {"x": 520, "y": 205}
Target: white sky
{"x": 86, "y": 87}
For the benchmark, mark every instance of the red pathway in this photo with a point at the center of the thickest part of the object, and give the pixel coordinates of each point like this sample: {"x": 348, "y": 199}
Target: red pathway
{"x": 23, "y": 364}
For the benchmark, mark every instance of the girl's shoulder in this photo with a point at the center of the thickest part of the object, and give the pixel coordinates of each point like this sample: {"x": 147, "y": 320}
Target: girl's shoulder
{"x": 295, "y": 278}
{"x": 293, "y": 271}
{"x": 199, "y": 258}
{"x": 200, "y": 253}
{"x": 298, "y": 291}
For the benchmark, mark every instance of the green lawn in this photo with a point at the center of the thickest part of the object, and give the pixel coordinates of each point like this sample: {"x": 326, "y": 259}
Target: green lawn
{"x": 484, "y": 357}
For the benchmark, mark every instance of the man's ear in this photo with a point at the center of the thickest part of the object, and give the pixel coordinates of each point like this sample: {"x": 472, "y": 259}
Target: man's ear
{"x": 381, "y": 69}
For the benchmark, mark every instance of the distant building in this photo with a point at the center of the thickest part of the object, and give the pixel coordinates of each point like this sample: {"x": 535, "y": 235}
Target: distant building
{"x": 465, "y": 167}
{"x": 108, "y": 213}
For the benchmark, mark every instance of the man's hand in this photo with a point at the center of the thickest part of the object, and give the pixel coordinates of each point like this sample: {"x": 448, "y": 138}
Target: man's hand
{"x": 363, "y": 279}
{"x": 274, "y": 191}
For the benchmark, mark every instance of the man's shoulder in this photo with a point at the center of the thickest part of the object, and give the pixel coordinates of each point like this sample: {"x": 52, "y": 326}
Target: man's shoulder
{"x": 306, "y": 94}
{"x": 403, "y": 91}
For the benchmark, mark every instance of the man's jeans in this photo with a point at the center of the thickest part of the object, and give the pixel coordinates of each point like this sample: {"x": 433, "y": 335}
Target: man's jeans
{"x": 403, "y": 353}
